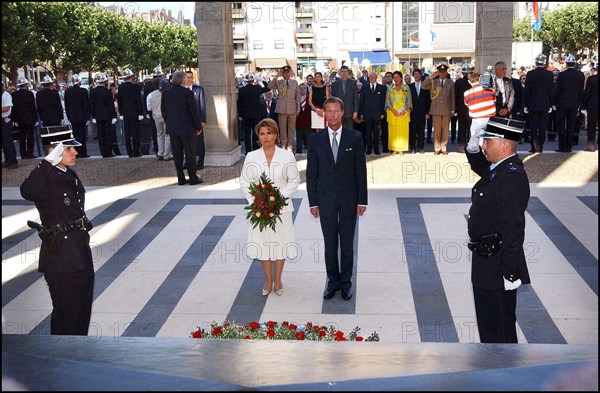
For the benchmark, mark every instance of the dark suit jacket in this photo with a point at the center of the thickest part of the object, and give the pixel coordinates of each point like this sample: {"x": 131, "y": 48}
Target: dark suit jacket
{"x": 129, "y": 99}
{"x": 180, "y": 111}
{"x": 49, "y": 107}
{"x": 518, "y": 105}
{"x": 263, "y": 111}
{"x": 24, "y": 110}
{"x": 590, "y": 94}
{"x": 249, "y": 101}
{"x": 460, "y": 86}
{"x": 421, "y": 103}
{"x": 509, "y": 92}
{"x": 350, "y": 98}
{"x": 336, "y": 187}
{"x": 539, "y": 89}
{"x": 569, "y": 89}
{"x": 370, "y": 105}
{"x": 59, "y": 198}
{"x": 102, "y": 104}
{"x": 77, "y": 104}
{"x": 498, "y": 203}
{"x": 200, "y": 99}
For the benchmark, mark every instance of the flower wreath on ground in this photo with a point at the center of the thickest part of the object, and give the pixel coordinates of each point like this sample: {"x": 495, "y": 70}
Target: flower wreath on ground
{"x": 267, "y": 203}
{"x": 279, "y": 331}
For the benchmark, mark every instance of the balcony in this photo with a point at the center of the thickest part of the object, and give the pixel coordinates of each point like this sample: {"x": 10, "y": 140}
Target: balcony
{"x": 237, "y": 13}
{"x": 239, "y": 34}
{"x": 304, "y": 52}
{"x": 240, "y": 54}
{"x": 304, "y": 12}
{"x": 304, "y": 32}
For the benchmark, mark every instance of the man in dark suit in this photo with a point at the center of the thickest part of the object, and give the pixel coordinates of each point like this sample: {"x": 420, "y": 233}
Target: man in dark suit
{"x": 48, "y": 104}
{"x": 102, "y": 110}
{"x": 464, "y": 121}
{"x": 346, "y": 90}
{"x": 182, "y": 121}
{"x": 268, "y": 104}
{"x": 590, "y": 104}
{"x": 421, "y": 101}
{"x": 77, "y": 107}
{"x": 364, "y": 79}
{"x": 200, "y": 99}
{"x": 336, "y": 183}
{"x": 567, "y": 98}
{"x": 371, "y": 107}
{"x": 24, "y": 115}
{"x": 250, "y": 109}
{"x": 496, "y": 228}
{"x": 505, "y": 94}
{"x": 537, "y": 102}
{"x": 129, "y": 100}
{"x": 65, "y": 255}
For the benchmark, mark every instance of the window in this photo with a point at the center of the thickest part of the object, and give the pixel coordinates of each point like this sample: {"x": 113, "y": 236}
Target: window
{"x": 410, "y": 24}
{"x": 378, "y": 35}
{"x": 347, "y": 36}
{"x": 257, "y": 45}
{"x": 278, "y": 44}
{"x": 454, "y": 12}
{"x": 378, "y": 11}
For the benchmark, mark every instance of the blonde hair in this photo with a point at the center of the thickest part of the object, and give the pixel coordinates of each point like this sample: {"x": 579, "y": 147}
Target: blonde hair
{"x": 269, "y": 123}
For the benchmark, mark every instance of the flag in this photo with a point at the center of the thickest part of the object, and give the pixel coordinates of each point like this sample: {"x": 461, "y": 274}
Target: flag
{"x": 433, "y": 35}
{"x": 536, "y": 20}
{"x": 295, "y": 39}
{"x": 413, "y": 42}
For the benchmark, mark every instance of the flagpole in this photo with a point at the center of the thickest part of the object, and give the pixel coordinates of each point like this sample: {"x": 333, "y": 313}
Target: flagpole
{"x": 531, "y": 50}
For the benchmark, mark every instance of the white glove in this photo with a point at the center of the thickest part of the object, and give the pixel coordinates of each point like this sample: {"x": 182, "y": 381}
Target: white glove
{"x": 121, "y": 117}
{"x": 114, "y": 120}
{"x": 15, "y": 124}
{"x": 94, "y": 121}
{"x": 509, "y": 286}
{"x": 147, "y": 116}
{"x": 526, "y": 110}
{"x": 37, "y": 123}
{"x": 583, "y": 111}
{"x": 259, "y": 78}
{"x": 87, "y": 123}
{"x": 554, "y": 107}
{"x": 140, "y": 117}
{"x": 62, "y": 122}
{"x": 55, "y": 156}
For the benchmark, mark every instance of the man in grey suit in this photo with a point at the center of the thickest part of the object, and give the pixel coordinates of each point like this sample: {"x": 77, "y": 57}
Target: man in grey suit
{"x": 346, "y": 90}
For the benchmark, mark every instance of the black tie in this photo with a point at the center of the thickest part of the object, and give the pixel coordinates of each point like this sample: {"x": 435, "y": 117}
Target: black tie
{"x": 287, "y": 83}
{"x": 372, "y": 89}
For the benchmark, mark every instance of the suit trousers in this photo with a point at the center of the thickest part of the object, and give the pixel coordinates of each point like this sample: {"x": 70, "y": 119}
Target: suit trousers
{"x": 339, "y": 231}
{"x": 538, "y": 122}
{"x": 384, "y": 135}
{"x": 464, "y": 126}
{"x": 287, "y": 126}
{"x": 592, "y": 124}
{"x": 200, "y": 150}
{"x": 26, "y": 140}
{"x": 80, "y": 134}
{"x": 8, "y": 145}
{"x": 496, "y": 315}
{"x": 72, "y": 295}
{"x": 567, "y": 126}
{"x": 416, "y": 133}
{"x": 184, "y": 144}
{"x": 302, "y": 134}
{"x": 250, "y": 137}
{"x": 453, "y": 124}
{"x": 105, "y": 137}
{"x": 131, "y": 127}
{"x": 440, "y": 132}
{"x": 372, "y": 134}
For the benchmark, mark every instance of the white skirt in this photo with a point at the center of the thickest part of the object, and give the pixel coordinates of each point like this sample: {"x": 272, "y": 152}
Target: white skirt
{"x": 273, "y": 245}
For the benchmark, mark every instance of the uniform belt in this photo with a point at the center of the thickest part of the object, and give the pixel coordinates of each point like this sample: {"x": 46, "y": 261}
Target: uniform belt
{"x": 81, "y": 224}
{"x": 487, "y": 246}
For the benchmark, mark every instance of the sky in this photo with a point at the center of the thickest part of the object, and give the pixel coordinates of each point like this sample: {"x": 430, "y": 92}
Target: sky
{"x": 141, "y": 6}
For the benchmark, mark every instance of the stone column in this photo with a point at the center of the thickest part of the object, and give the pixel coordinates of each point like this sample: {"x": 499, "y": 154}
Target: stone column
{"x": 216, "y": 75}
{"x": 493, "y": 37}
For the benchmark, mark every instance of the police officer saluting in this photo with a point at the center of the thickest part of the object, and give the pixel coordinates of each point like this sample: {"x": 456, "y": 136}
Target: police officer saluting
{"x": 497, "y": 229}
{"x": 65, "y": 254}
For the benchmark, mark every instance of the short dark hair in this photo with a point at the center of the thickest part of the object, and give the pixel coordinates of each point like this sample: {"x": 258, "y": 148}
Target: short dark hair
{"x": 334, "y": 100}
{"x": 344, "y": 67}
{"x": 417, "y": 70}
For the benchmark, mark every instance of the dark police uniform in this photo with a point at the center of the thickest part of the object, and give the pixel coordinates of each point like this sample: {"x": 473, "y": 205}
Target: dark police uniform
{"x": 129, "y": 99}
{"x": 77, "y": 107}
{"x": 567, "y": 98}
{"x": 49, "y": 107}
{"x": 65, "y": 254}
{"x": 499, "y": 200}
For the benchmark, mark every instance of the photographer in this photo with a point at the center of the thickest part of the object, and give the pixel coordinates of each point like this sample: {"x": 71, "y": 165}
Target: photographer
{"x": 65, "y": 254}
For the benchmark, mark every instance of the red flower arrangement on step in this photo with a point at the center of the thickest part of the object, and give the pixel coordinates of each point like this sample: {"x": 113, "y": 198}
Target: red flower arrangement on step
{"x": 279, "y": 331}
{"x": 268, "y": 201}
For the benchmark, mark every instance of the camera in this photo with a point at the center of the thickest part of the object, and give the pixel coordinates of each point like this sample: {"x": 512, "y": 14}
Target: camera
{"x": 486, "y": 79}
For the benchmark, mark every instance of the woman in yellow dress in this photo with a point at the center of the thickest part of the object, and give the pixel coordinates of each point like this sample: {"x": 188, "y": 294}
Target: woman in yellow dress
{"x": 399, "y": 104}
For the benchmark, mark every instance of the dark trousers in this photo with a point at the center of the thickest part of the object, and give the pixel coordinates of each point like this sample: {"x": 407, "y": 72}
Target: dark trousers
{"x": 72, "y": 295}
{"x": 339, "y": 231}
{"x": 115, "y": 141}
{"x": 200, "y": 149}
{"x": 464, "y": 128}
{"x": 154, "y": 133}
{"x": 552, "y": 127}
{"x": 416, "y": 133}
{"x": 26, "y": 140}
{"x": 384, "y": 135}
{"x": 105, "y": 135}
{"x": 250, "y": 137}
{"x": 496, "y": 315}
{"x": 372, "y": 134}
{"x": 567, "y": 124}
{"x": 8, "y": 145}
{"x": 453, "y": 123}
{"x": 180, "y": 145}
{"x": 302, "y": 135}
{"x": 592, "y": 124}
{"x": 80, "y": 134}
{"x": 131, "y": 127}
{"x": 429, "y": 129}
{"x": 538, "y": 123}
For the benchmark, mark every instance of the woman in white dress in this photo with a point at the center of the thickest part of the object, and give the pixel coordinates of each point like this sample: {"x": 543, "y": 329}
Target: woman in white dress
{"x": 272, "y": 247}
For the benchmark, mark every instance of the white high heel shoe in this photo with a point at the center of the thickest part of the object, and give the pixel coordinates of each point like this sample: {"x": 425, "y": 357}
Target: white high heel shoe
{"x": 266, "y": 292}
{"x": 278, "y": 292}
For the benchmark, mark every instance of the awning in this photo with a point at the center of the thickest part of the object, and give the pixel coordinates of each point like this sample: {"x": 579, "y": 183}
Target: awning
{"x": 376, "y": 57}
{"x": 270, "y": 62}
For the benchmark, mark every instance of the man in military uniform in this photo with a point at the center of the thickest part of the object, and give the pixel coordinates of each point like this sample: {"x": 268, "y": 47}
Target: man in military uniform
{"x": 442, "y": 106}
{"x": 496, "y": 228}
{"x": 288, "y": 104}
{"x": 65, "y": 254}
{"x": 77, "y": 107}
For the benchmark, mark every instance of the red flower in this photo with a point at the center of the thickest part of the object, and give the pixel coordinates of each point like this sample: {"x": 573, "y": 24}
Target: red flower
{"x": 339, "y": 334}
{"x": 247, "y": 338}
{"x": 226, "y": 325}
{"x": 359, "y": 338}
{"x": 300, "y": 335}
{"x": 322, "y": 333}
{"x": 340, "y": 338}
{"x": 254, "y": 325}
{"x": 270, "y": 333}
{"x": 217, "y": 330}
{"x": 293, "y": 327}
{"x": 197, "y": 334}
{"x": 309, "y": 325}
{"x": 271, "y": 324}
{"x": 285, "y": 323}
{"x": 272, "y": 193}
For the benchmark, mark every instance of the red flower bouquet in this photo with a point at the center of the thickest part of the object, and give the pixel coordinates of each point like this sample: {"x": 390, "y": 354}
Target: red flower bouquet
{"x": 267, "y": 204}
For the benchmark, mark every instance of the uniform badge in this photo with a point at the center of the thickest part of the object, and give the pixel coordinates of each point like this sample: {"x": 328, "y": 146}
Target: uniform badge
{"x": 67, "y": 202}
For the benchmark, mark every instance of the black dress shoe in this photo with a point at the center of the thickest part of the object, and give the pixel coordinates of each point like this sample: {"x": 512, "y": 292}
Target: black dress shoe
{"x": 346, "y": 294}
{"x": 591, "y": 149}
{"x": 329, "y": 293}
{"x": 377, "y": 153}
{"x": 561, "y": 150}
{"x": 182, "y": 182}
{"x": 385, "y": 151}
{"x": 196, "y": 181}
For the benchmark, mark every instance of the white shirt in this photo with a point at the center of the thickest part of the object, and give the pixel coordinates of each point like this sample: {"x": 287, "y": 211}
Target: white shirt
{"x": 500, "y": 84}
{"x": 418, "y": 88}
{"x": 498, "y": 163}
{"x": 339, "y": 134}
{"x": 6, "y": 101}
